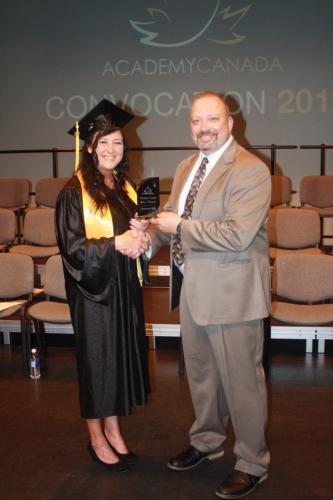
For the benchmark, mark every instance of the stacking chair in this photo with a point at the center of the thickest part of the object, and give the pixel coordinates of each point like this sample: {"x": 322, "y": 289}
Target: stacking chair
{"x": 47, "y": 191}
{"x": 39, "y": 237}
{"x": 302, "y": 288}
{"x": 54, "y": 308}
{"x": 316, "y": 193}
{"x": 7, "y": 228}
{"x": 14, "y": 195}
{"x": 281, "y": 191}
{"x": 16, "y": 288}
{"x": 293, "y": 230}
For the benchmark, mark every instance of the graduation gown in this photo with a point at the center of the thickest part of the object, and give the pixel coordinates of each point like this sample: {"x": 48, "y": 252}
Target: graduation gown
{"x": 105, "y": 300}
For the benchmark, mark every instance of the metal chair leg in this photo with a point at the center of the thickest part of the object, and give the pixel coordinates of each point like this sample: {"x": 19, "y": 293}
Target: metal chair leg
{"x": 40, "y": 336}
{"x": 26, "y": 340}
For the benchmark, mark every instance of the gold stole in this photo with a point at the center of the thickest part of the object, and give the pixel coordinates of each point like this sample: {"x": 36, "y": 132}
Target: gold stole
{"x": 99, "y": 224}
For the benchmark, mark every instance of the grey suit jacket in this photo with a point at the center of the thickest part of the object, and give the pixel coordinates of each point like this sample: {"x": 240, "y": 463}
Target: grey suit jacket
{"x": 226, "y": 274}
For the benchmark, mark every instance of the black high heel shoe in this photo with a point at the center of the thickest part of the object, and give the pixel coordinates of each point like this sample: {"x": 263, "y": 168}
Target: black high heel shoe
{"x": 121, "y": 466}
{"x": 129, "y": 458}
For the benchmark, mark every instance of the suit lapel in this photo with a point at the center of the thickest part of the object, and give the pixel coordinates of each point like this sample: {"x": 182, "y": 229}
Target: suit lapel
{"x": 224, "y": 163}
{"x": 181, "y": 180}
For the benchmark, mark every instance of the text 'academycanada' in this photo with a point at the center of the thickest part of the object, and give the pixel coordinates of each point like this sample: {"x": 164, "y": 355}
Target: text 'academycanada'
{"x": 186, "y": 65}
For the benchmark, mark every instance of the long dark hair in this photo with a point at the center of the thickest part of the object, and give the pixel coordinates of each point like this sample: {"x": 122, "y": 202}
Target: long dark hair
{"x": 93, "y": 179}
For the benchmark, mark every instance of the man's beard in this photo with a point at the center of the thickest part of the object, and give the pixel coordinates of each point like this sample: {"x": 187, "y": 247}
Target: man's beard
{"x": 212, "y": 141}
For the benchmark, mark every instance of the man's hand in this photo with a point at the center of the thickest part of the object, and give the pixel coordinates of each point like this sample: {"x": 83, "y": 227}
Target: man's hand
{"x": 167, "y": 222}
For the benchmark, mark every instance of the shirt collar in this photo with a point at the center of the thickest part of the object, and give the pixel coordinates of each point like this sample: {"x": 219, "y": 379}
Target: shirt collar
{"x": 214, "y": 157}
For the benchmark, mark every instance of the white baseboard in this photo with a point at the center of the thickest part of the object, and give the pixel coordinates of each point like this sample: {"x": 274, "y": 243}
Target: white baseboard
{"x": 307, "y": 333}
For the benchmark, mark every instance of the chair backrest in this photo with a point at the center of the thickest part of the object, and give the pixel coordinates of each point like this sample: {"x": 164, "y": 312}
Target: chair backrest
{"x": 317, "y": 190}
{"x": 47, "y": 190}
{"x": 39, "y": 227}
{"x": 303, "y": 277}
{"x": 14, "y": 193}
{"x": 54, "y": 281}
{"x": 293, "y": 228}
{"x": 17, "y": 275}
{"x": 281, "y": 190}
{"x": 7, "y": 225}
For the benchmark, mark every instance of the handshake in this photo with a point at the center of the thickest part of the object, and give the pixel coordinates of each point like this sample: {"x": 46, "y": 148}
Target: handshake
{"x": 135, "y": 241}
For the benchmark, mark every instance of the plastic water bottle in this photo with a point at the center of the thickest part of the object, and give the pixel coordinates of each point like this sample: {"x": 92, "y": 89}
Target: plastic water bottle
{"x": 34, "y": 365}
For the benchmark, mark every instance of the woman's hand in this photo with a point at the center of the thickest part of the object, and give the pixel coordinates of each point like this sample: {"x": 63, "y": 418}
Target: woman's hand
{"x": 140, "y": 224}
{"x": 132, "y": 243}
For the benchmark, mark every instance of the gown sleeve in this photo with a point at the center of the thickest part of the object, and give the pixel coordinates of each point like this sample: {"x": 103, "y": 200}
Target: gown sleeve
{"x": 89, "y": 263}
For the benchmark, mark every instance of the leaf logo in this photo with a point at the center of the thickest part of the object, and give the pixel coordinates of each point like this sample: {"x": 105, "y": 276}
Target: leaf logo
{"x": 221, "y": 19}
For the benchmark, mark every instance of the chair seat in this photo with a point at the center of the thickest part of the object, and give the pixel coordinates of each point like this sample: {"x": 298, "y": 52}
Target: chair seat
{"x": 35, "y": 251}
{"x": 323, "y": 212}
{"x": 10, "y": 310}
{"x": 302, "y": 314}
{"x": 277, "y": 207}
{"x": 19, "y": 207}
{"x": 50, "y": 312}
{"x": 274, "y": 252}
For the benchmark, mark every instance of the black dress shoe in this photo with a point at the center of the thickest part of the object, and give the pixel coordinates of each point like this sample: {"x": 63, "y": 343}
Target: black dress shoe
{"x": 191, "y": 457}
{"x": 116, "y": 467}
{"x": 238, "y": 484}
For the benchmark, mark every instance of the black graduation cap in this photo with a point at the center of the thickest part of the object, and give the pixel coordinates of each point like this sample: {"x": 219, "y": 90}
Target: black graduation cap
{"x": 119, "y": 116}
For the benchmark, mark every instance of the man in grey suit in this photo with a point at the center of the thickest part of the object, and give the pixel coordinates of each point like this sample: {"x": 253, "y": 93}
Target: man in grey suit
{"x": 220, "y": 250}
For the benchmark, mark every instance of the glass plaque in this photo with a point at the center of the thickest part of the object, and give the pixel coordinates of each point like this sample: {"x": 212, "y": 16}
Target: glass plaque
{"x": 148, "y": 197}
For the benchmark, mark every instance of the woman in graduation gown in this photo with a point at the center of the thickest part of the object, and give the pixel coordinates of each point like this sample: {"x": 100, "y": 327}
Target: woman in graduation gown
{"x": 103, "y": 284}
